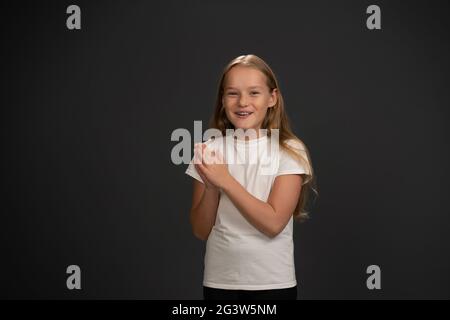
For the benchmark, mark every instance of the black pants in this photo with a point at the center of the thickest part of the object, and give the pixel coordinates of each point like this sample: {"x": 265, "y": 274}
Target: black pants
{"x": 272, "y": 294}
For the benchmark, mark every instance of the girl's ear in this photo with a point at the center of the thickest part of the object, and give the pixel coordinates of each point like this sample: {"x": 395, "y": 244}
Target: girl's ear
{"x": 273, "y": 98}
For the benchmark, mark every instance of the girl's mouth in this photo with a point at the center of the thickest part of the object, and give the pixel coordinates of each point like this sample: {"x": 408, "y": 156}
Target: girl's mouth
{"x": 243, "y": 115}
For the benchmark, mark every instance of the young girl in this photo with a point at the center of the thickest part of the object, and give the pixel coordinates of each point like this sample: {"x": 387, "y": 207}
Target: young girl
{"x": 245, "y": 213}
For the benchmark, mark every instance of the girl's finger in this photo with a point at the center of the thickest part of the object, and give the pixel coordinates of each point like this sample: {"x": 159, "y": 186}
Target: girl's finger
{"x": 205, "y": 180}
{"x": 205, "y": 156}
{"x": 209, "y": 156}
{"x": 198, "y": 157}
{"x": 219, "y": 157}
{"x": 201, "y": 174}
{"x": 200, "y": 168}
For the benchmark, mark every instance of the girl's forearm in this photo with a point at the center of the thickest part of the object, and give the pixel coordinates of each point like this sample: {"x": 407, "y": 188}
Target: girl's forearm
{"x": 203, "y": 216}
{"x": 259, "y": 213}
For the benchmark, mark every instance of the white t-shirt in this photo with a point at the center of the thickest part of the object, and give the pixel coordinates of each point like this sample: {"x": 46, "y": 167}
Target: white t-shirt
{"x": 239, "y": 256}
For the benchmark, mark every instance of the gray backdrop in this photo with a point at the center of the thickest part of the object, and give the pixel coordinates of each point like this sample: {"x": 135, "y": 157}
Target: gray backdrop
{"x": 87, "y": 117}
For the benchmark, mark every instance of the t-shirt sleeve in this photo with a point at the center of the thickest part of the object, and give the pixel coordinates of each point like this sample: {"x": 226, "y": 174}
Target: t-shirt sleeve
{"x": 192, "y": 171}
{"x": 290, "y": 165}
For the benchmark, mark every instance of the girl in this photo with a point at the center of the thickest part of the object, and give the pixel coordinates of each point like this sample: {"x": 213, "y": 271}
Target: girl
{"x": 246, "y": 214}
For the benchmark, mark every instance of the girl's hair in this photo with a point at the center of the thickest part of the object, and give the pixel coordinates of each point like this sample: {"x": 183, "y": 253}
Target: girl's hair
{"x": 276, "y": 118}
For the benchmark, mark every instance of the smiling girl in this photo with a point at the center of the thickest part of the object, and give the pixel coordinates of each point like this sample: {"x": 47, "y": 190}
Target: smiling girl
{"x": 245, "y": 214}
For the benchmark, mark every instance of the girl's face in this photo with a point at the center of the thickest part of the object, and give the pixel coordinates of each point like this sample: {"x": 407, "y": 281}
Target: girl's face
{"x": 247, "y": 97}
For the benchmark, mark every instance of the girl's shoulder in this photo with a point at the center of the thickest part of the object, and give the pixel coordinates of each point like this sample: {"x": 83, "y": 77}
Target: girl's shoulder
{"x": 297, "y": 155}
{"x": 296, "y": 144}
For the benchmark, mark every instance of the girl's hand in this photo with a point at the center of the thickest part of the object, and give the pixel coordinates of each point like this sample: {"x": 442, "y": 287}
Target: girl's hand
{"x": 199, "y": 159}
{"x": 211, "y": 167}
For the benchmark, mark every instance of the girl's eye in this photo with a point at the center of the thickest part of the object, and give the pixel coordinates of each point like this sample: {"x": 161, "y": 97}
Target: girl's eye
{"x": 234, "y": 93}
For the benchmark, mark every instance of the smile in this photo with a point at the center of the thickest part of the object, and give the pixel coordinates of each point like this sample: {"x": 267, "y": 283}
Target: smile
{"x": 243, "y": 115}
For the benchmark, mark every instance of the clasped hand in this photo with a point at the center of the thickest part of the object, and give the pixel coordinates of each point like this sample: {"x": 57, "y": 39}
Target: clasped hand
{"x": 210, "y": 166}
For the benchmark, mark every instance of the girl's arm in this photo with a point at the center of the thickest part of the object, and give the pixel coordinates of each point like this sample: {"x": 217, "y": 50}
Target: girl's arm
{"x": 205, "y": 201}
{"x": 269, "y": 217}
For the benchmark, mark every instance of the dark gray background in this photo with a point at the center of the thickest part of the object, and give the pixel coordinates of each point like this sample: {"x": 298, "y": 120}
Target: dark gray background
{"x": 87, "y": 117}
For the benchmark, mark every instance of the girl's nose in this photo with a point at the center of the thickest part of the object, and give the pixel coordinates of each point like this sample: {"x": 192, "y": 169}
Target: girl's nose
{"x": 243, "y": 101}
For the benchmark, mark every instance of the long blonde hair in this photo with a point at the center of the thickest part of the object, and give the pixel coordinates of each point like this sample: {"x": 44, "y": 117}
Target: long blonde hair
{"x": 276, "y": 118}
